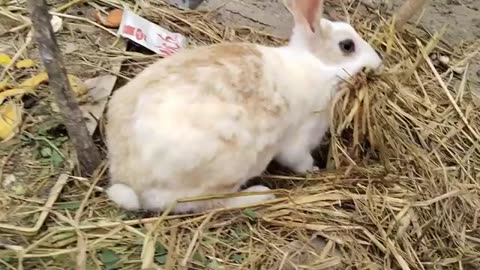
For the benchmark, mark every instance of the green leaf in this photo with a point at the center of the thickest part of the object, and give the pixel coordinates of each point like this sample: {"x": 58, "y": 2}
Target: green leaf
{"x": 108, "y": 256}
{"x": 46, "y": 152}
{"x": 199, "y": 258}
{"x": 109, "y": 259}
{"x": 250, "y": 213}
{"x": 238, "y": 258}
{"x": 214, "y": 265}
{"x": 160, "y": 249}
{"x": 57, "y": 159}
{"x": 112, "y": 266}
{"x": 61, "y": 140}
{"x": 211, "y": 240}
{"x": 241, "y": 234}
{"x": 91, "y": 266}
{"x": 69, "y": 205}
{"x": 160, "y": 253}
{"x": 162, "y": 259}
{"x": 123, "y": 216}
{"x": 62, "y": 259}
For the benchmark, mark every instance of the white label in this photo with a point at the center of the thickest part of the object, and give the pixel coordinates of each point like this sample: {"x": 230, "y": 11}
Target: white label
{"x": 150, "y": 35}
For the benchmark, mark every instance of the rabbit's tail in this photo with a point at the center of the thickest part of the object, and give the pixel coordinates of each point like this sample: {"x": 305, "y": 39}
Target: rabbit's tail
{"x": 124, "y": 196}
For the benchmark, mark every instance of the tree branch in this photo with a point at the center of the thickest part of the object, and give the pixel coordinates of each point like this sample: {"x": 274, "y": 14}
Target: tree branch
{"x": 87, "y": 153}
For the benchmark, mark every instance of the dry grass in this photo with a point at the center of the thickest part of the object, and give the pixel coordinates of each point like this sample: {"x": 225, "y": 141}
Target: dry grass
{"x": 401, "y": 190}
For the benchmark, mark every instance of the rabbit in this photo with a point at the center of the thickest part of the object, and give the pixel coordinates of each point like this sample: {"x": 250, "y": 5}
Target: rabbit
{"x": 205, "y": 120}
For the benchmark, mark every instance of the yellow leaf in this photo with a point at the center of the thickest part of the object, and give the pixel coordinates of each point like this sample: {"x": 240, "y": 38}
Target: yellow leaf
{"x": 13, "y": 92}
{"x": 4, "y": 59}
{"x": 35, "y": 81}
{"x": 10, "y": 119}
{"x": 78, "y": 86}
{"x": 27, "y": 63}
{"x": 4, "y": 84}
{"x": 27, "y": 86}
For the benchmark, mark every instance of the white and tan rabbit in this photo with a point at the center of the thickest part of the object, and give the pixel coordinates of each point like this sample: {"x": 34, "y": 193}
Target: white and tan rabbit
{"x": 206, "y": 120}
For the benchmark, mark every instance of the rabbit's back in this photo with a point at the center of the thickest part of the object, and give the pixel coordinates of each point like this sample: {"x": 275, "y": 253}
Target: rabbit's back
{"x": 196, "y": 122}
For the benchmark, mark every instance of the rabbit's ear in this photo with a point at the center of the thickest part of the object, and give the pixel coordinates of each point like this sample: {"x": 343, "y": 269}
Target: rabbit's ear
{"x": 306, "y": 13}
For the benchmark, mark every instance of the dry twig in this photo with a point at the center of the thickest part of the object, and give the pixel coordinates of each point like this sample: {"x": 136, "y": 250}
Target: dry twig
{"x": 87, "y": 153}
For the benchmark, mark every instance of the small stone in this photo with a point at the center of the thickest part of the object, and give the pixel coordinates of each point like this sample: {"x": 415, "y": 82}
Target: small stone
{"x": 70, "y": 48}
{"x": 459, "y": 70}
{"x": 54, "y": 107}
{"x": 444, "y": 59}
{"x": 19, "y": 190}
{"x": 57, "y": 23}
{"x": 9, "y": 180}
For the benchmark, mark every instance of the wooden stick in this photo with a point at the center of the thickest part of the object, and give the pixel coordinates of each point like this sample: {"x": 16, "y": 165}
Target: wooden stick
{"x": 407, "y": 10}
{"x": 87, "y": 153}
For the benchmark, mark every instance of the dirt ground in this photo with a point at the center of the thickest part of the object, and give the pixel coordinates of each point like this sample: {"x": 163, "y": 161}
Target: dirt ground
{"x": 462, "y": 18}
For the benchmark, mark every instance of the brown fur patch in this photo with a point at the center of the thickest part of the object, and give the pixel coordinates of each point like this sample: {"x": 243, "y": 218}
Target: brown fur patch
{"x": 240, "y": 68}
{"x": 237, "y": 66}
{"x": 211, "y": 55}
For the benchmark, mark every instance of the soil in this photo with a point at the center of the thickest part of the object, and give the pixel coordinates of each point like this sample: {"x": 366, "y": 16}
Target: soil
{"x": 462, "y": 18}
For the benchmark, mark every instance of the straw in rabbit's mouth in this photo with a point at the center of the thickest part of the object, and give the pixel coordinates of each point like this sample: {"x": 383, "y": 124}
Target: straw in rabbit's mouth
{"x": 353, "y": 83}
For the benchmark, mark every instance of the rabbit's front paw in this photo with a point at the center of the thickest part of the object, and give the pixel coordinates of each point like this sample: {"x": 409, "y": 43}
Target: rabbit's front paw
{"x": 305, "y": 165}
{"x": 297, "y": 159}
{"x": 260, "y": 188}
{"x": 251, "y": 199}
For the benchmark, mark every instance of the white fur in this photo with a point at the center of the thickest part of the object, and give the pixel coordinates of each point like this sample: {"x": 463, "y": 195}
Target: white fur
{"x": 170, "y": 139}
{"x": 124, "y": 196}
{"x": 251, "y": 199}
{"x": 309, "y": 101}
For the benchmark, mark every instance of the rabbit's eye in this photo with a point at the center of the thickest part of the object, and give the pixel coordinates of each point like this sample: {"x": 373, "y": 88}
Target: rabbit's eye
{"x": 347, "y": 46}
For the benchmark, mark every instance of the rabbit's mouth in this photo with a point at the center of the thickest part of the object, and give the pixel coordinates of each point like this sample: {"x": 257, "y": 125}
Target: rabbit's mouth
{"x": 374, "y": 71}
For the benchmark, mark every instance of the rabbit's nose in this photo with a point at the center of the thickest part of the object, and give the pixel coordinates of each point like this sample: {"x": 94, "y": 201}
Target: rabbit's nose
{"x": 375, "y": 67}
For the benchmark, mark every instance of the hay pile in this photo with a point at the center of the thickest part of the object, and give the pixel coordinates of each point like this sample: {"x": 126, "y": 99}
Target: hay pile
{"x": 401, "y": 190}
